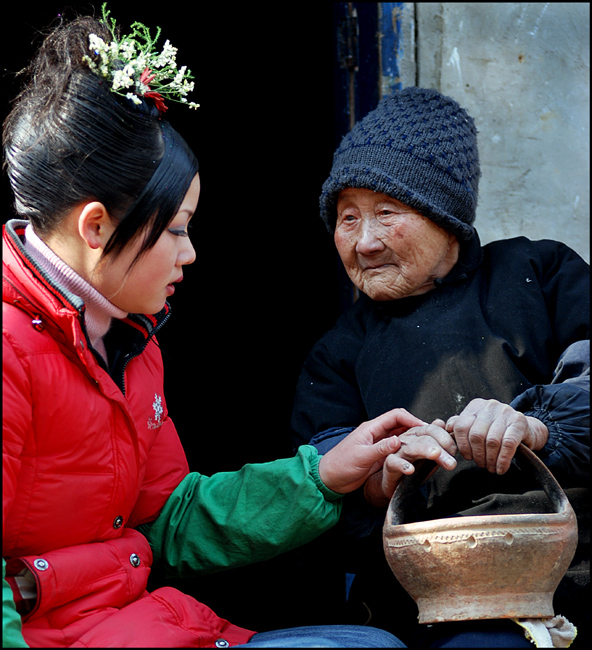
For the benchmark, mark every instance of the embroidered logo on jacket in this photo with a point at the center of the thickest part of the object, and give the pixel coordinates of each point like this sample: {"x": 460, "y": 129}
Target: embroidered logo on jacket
{"x": 156, "y": 421}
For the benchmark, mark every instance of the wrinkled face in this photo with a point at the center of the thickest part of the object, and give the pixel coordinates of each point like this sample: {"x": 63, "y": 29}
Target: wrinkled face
{"x": 145, "y": 288}
{"x": 390, "y": 250}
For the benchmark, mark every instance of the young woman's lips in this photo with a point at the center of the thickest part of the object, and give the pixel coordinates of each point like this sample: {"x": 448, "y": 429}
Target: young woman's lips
{"x": 171, "y": 287}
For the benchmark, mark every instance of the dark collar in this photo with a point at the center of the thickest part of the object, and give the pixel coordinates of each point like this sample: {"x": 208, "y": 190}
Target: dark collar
{"x": 469, "y": 259}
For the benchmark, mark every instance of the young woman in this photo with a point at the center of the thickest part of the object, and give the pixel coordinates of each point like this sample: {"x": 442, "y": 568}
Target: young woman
{"x": 96, "y": 487}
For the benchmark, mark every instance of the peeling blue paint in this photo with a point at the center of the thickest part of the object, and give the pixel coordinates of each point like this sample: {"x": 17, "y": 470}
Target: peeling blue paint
{"x": 391, "y": 45}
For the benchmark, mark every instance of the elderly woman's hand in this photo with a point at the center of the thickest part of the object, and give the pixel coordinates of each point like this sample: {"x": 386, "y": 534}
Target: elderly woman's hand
{"x": 489, "y": 432}
{"x": 430, "y": 441}
{"x": 347, "y": 466}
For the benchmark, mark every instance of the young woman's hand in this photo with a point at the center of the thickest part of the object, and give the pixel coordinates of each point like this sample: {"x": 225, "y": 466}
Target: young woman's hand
{"x": 363, "y": 452}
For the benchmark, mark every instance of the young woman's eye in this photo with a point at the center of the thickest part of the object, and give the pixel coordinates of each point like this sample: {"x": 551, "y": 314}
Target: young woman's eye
{"x": 180, "y": 232}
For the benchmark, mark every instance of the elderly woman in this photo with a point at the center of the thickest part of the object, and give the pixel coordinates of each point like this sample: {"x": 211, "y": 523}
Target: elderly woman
{"x": 487, "y": 342}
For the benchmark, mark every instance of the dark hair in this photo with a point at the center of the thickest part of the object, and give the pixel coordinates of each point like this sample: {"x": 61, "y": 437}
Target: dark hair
{"x": 70, "y": 139}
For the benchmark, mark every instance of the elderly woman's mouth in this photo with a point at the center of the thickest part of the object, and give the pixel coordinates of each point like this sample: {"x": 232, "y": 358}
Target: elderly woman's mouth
{"x": 377, "y": 267}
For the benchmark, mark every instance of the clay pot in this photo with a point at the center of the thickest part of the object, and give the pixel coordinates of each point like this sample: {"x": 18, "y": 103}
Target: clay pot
{"x": 486, "y": 566}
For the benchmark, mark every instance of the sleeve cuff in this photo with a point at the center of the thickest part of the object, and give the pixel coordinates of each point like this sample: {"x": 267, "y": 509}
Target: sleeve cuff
{"x": 312, "y": 456}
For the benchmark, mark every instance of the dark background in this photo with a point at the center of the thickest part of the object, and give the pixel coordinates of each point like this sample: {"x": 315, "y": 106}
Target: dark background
{"x": 264, "y": 286}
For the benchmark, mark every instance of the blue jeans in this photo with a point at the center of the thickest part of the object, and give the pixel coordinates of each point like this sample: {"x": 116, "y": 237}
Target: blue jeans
{"x": 325, "y": 636}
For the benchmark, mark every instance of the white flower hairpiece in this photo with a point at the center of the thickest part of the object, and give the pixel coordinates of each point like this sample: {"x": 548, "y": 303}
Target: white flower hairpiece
{"x": 136, "y": 69}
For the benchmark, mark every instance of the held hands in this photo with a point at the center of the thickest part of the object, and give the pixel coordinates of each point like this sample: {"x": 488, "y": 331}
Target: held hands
{"x": 362, "y": 453}
{"x": 487, "y": 431}
{"x": 430, "y": 441}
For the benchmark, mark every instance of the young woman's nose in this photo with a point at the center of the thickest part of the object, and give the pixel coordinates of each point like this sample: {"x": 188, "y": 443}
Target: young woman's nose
{"x": 187, "y": 254}
{"x": 369, "y": 240}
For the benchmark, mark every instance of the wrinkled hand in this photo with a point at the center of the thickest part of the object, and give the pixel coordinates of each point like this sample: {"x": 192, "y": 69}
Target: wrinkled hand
{"x": 489, "y": 432}
{"x": 430, "y": 441}
{"x": 347, "y": 466}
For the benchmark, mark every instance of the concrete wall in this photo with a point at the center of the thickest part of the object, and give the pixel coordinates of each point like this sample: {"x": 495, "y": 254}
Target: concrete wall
{"x": 522, "y": 71}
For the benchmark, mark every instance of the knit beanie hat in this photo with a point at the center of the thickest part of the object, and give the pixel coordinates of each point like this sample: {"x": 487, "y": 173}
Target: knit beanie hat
{"x": 418, "y": 147}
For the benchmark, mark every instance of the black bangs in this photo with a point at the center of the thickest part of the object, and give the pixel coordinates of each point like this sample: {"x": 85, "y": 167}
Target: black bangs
{"x": 159, "y": 201}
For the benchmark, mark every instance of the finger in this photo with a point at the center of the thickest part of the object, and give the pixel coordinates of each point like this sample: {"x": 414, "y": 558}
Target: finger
{"x": 477, "y": 437}
{"x": 459, "y": 427}
{"x": 418, "y": 448}
{"x": 505, "y": 432}
{"x": 392, "y": 472}
{"x": 372, "y": 457}
{"x": 449, "y": 426}
{"x": 384, "y": 447}
{"x": 493, "y": 443}
{"x": 512, "y": 438}
{"x": 438, "y": 433}
{"x": 387, "y": 423}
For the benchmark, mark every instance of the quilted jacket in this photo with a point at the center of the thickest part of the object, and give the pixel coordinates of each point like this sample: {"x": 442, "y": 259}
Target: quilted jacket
{"x": 85, "y": 461}
{"x": 96, "y": 486}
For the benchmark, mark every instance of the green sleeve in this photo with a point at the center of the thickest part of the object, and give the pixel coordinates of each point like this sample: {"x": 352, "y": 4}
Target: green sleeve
{"x": 12, "y": 636}
{"x": 232, "y": 519}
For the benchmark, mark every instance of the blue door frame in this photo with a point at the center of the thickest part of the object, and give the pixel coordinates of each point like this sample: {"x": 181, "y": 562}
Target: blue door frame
{"x": 368, "y": 49}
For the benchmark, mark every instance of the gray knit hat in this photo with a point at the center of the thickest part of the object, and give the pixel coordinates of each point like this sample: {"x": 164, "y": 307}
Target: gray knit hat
{"x": 417, "y": 146}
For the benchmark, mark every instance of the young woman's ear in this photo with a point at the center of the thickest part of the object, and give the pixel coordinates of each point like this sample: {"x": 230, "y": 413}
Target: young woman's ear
{"x": 95, "y": 225}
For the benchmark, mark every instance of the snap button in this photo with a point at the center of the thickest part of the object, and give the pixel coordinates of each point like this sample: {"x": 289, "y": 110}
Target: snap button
{"x": 41, "y": 565}
{"x": 135, "y": 560}
{"x": 222, "y": 643}
{"x": 37, "y": 323}
{"x": 117, "y": 522}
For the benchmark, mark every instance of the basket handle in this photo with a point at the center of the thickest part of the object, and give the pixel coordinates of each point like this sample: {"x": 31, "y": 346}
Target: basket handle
{"x": 526, "y": 458}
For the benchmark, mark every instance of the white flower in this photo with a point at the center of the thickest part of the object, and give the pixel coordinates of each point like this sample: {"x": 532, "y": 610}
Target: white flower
{"x": 140, "y": 63}
{"x": 124, "y": 61}
{"x": 127, "y": 50}
{"x": 123, "y": 78}
{"x": 134, "y": 98}
{"x": 167, "y": 56}
{"x": 96, "y": 43}
{"x": 179, "y": 76}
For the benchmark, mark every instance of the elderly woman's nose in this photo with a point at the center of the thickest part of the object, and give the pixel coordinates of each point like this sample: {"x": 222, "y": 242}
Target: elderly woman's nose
{"x": 369, "y": 240}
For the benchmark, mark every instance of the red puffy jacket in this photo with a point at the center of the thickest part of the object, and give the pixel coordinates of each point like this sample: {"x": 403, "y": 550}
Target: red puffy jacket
{"x": 84, "y": 462}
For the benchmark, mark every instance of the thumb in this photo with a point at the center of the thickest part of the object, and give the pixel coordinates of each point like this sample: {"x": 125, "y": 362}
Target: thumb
{"x": 387, "y": 423}
{"x": 377, "y": 452}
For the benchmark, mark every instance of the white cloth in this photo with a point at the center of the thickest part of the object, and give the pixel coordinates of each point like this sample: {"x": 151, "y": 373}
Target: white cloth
{"x": 556, "y": 632}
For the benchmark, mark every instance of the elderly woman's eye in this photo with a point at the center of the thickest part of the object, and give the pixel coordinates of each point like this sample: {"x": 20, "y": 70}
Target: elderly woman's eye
{"x": 387, "y": 214}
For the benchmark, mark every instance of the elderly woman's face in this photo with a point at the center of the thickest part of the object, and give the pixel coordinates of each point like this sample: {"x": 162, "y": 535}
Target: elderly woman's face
{"x": 390, "y": 250}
